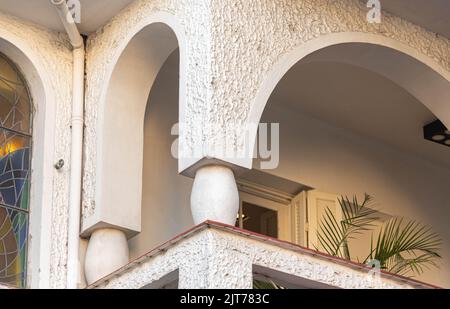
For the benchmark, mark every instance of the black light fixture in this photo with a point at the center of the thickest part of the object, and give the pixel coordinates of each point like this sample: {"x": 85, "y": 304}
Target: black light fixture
{"x": 437, "y": 132}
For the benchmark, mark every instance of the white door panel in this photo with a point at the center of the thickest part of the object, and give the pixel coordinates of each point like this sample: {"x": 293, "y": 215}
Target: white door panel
{"x": 308, "y": 209}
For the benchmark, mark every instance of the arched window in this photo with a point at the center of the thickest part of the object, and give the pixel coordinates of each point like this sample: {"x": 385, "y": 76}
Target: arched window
{"x": 15, "y": 157}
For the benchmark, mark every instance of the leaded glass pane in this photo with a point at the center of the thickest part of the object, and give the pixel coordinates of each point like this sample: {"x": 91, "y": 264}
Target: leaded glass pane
{"x": 15, "y": 113}
{"x": 14, "y": 169}
{"x": 15, "y": 156}
{"x": 13, "y": 246}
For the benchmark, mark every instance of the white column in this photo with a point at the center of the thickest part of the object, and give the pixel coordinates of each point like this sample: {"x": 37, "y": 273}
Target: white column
{"x": 216, "y": 265}
{"x": 107, "y": 251}
{"x": 214, "y": 195}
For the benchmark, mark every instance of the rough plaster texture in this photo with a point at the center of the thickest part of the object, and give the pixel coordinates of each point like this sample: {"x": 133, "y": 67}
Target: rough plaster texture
{"x": 105, "y": 46}
{"x": 250, "y": 37}
{"x": 55, "y": 59}
{"x": 213, "y": 258}
{"x": 232, "y": 46}
{"x": 228, "y": 42}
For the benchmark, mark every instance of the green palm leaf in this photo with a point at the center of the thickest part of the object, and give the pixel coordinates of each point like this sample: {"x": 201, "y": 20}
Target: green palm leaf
{"x": 333, "y": 236}
{"x": 401, "y": 247}
{"x": 406, "y": 247}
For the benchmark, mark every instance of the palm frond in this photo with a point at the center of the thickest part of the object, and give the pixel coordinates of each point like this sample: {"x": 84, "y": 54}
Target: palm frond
{"x": 333, "y": 235}
{"x": 406, "y": 247}
{"x": 415, "y": 265}
{"x": 400, "y": 247}
{"x": 358, "y": 217}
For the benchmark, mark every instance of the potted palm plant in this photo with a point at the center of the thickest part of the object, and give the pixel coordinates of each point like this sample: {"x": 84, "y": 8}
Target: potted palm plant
{"x": 400, "y": 246}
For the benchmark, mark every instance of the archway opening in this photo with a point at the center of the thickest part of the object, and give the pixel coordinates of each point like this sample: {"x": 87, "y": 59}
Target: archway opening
{"x": 165, "y": 193}
{"x": 351, "y": 120}
{"x": 39, "y": 183}
{"x": 138, "y": 187}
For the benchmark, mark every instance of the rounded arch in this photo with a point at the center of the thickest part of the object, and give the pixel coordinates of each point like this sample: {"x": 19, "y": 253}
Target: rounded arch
{"x": 43, "y": 96}
{"x": 436, "y": 104}
{"x": 121, "y": 112}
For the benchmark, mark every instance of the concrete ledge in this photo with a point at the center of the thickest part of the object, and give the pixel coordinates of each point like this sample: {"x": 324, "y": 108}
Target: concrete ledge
{"x": 214, "y": 255}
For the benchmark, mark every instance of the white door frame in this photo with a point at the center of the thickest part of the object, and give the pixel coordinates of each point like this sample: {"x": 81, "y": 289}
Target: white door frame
{"x": 283, "y": 212}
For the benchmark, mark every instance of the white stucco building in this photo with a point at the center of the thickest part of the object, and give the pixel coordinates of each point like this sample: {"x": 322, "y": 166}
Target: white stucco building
{"x": 143, "y": 128}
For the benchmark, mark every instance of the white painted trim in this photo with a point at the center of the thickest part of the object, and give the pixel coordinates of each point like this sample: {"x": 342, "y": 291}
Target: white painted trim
{"x": 314, "y": 221}
{"x": 264, "y": 192}
{"x": 283, "y": 211}
{"x": 299, "y": 220}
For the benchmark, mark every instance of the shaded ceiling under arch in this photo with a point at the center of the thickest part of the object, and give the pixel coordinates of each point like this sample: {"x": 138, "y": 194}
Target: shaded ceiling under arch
{"x": 359, "y": 100}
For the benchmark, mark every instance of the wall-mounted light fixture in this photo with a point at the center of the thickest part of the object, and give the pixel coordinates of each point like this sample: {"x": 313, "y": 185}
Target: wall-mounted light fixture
{"x": 437, "y": 132}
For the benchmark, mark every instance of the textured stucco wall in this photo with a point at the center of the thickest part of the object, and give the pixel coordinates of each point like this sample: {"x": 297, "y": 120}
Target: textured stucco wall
{"x": 250, "y": 37}
{"x": 51, "y": 54}
{"x": 213, "y": 258}
{"x": 105, "y": 46}
{"x": 231, "y": 48}
{"x": 159, "y": 170}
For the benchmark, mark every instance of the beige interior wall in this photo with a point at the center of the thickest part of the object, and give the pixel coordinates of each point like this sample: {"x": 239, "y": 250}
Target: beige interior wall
{"x": 339, "y": 161}
{"x": 120, "y": 135}
{"x": 165, "y": 193}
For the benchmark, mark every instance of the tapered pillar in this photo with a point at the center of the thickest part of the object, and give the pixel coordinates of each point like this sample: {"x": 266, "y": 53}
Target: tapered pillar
{"x": 107, "y": 251}
{"x": 214, "y": 195}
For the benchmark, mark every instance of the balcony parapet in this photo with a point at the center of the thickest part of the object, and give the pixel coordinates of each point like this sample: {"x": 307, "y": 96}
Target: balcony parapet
{"x": 215, "y": 255}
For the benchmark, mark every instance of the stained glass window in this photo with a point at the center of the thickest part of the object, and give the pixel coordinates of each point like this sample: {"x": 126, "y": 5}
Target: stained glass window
{"x": 15, "y": 156}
